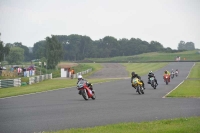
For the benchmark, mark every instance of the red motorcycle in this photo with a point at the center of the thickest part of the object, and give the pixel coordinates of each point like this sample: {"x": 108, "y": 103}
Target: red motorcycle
{"x": 85, "y": 91}
{"x": 166, "y": 78}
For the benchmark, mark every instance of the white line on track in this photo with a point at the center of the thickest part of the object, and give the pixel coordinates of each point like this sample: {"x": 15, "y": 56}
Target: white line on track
{"x": 180, "y": 83}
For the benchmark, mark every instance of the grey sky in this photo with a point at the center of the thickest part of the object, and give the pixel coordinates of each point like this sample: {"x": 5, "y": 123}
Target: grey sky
{"x": 165, "y": 21}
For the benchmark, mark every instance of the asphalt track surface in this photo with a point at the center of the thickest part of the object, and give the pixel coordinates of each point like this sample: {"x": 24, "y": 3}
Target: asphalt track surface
{"x": 116, "y": 102}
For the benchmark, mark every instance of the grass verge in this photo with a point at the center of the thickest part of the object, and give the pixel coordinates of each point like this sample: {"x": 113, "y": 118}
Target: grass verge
{"x": 195, "y": 73}
{"x": 179, "y": 125}
{"x": 190, "y": 87}
{"x": 143, "y": 68}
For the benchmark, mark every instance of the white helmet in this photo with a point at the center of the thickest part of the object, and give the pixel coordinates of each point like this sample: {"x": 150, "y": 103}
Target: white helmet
{"x": 150, "y": 72}
{"x": 80, "y": 77}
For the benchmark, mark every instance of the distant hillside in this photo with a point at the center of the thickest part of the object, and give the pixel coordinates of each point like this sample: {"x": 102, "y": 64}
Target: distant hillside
{"x": 151, "y": 57}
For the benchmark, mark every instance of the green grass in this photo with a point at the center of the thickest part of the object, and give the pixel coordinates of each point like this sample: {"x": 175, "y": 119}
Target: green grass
{"x": 143, "y": 68}
{"x": 191, "y": 86}
{"x": 195, "y": 73}
{"x": 154, "y": 56}
{"x": 178, "y": 125}
{"x": 44, "y": 86}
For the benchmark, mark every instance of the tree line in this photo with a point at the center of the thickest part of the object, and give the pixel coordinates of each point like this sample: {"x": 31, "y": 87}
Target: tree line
{"x": 77, "y": 47}
{"x": 186, "y": 45}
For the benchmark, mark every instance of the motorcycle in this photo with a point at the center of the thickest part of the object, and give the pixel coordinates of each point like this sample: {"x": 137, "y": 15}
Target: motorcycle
{"x": 85, "y": 91}
{"x": 172, "y": 75}
{"x": 138, "y": 85}
{"x": 176, "y": 73}
{"x": 166, "y": 78}
{"x": 153, "y": 83}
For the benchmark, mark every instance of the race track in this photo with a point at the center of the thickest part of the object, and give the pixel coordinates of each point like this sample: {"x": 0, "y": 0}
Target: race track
{"x": 116, "y": 102}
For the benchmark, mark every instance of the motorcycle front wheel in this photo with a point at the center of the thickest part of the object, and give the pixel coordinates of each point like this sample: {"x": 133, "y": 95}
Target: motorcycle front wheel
{"x": 141, "y": 89}
{"x": 138, "y": 90}
{"x": 84, "y": 94}
{"x": 154, "y": 85}
{"x": 94, "y": 96}
{"x": 166, "y": 82}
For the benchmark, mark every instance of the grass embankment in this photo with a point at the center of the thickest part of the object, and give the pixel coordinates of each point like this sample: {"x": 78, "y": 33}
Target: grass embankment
{"x": 180, "y": 125}
{"x": 191, "y": 86}
{"x": 143, "y": 68}
{"x": 148, "y": 57}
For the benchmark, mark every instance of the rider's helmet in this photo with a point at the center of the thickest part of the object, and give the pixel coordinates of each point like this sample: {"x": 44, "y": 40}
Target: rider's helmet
{"x": 150, "y": 72}
{"x": 176, "y": 69}
{"x": 133, "y": 73}
{"x": 80, "y": 77}
{"x": 165, "y": 71}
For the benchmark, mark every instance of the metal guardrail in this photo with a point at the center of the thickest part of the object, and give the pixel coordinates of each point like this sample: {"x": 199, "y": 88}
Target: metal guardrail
{"x": 6, "y": 83}
{"x": 10, "y": 83}
{"x": 39, "y": 78}
{"x": 81, "y": 73}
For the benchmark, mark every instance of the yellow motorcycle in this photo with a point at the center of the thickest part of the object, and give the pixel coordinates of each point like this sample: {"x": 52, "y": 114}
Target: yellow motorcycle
{"x": 138, "y": 85}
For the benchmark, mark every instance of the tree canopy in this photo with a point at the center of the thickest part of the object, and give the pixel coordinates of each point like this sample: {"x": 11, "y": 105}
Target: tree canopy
{"x": 186, "y": 46}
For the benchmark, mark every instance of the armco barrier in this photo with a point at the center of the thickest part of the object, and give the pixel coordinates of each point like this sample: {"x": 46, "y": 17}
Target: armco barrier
{"x": 81, "y": 73}
{"x": 17, "y": 82}
{"x": 39, "y": 78}
{"x": 10, "y": 83}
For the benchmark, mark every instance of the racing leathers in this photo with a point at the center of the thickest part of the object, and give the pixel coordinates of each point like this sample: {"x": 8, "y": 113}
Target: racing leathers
{"x": 152, "y": 75}
{"x": 137, "y": 76}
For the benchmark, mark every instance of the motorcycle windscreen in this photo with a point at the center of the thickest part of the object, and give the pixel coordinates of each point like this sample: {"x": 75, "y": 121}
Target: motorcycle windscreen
{"x": 152, "y": 78}
{"x": 81, "y": 83}
{"x": 135, "y": 81}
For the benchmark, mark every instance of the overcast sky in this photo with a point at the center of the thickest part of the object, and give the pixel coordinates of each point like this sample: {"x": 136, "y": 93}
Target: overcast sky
{"x": 165, "y": 21}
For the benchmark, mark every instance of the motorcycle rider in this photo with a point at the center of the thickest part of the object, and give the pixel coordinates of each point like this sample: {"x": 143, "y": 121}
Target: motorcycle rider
{"x": 177, "y": 71}
{"x": 134, "y": 75}
{"x": 151, "y": 74}
{"x": 172, "y": 71}
{"x": 168, "y": 73}
{"x": 80, "y": 77}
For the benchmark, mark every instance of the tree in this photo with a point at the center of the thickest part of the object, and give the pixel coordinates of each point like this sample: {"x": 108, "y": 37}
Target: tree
{"x": 186, "y": 46}
{"x": 4, "y": 51}
{"x": 189, "y": 46}
{"x": 39, "y": 49}
{"x": 181, "y": 45}
{"x": 54, "y": 52}
{"x": 155, "y": 46}
{"x": 27, "y": 54}
{"x": 16, "y": 55}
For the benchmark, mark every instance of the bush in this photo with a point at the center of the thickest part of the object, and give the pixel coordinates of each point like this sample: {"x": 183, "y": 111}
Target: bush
{"x": 25, "y": 79}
